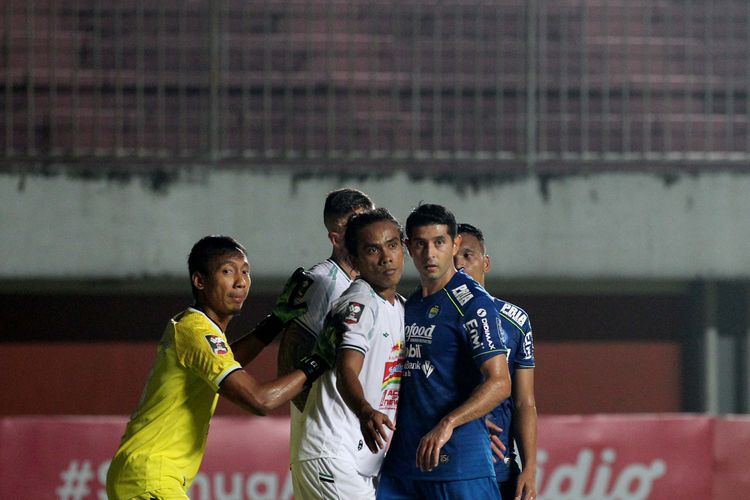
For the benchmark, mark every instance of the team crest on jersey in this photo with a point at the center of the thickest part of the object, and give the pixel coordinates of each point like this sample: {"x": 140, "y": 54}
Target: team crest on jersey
{"x": 353, "y": 313}
{"x": 218, "y": 344}
{"x": 434, "y": 311}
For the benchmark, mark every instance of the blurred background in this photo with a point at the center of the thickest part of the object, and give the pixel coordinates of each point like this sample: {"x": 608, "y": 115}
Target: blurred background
{"x": 603, "y": 146}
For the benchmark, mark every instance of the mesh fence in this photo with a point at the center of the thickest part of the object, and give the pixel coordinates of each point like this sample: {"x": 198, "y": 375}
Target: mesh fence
{"x": 512, "y": 84}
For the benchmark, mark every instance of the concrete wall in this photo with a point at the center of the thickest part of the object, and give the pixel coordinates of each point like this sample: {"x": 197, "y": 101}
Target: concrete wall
{"x": 602, "y": 226}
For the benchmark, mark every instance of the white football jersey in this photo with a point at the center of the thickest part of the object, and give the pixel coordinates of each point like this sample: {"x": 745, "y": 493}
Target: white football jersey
{"x": 329, "y": 281}
{"x": 373, "y": 326}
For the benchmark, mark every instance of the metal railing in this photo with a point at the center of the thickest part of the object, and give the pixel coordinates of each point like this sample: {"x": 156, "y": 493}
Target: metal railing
{"x": 513, "y": 84}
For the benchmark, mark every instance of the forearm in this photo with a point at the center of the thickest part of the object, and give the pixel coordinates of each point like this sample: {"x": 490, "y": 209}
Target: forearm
{"x": 485, "y": 397}
{"x": 350, "y": 388}
{"x": 525, "y": 427}
{"x": 247, "y": 348}
{"x": 260, "y": 399}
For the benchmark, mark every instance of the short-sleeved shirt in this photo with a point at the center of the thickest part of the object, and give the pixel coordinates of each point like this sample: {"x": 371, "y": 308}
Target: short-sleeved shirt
{"x": 449, "y": 335}
{"x": 165, "y": 439}
{"x": 327, "y": 281}
{"x": 360, "y": 320}
{"x": 516, "y": 333}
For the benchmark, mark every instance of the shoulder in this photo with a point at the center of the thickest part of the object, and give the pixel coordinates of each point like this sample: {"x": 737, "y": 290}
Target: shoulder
{"x": 192, "y": 320}
{"x": 194, "y": 330}
{"x": 467, "y": 293}
{"x": 513, "y": 314}
{"x": 356, "y": 299}
{"x": 327, "y": 271}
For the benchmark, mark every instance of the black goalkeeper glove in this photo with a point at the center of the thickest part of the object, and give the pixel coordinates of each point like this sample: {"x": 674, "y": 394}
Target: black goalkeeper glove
{"x": 286, "y": 307}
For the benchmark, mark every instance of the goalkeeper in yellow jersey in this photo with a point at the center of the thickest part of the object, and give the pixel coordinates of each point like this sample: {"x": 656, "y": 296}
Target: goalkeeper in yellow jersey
{"x": 164, "y": 441}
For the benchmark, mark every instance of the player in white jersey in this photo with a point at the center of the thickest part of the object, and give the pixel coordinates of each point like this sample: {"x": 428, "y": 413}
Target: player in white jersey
{"x": 349, "y": 414}
{"x": 314, "y": 292}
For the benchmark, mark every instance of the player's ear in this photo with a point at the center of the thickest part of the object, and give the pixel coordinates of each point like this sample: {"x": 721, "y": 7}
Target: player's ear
{"x": 457, "y": 244}
{"x": 486, "y": 263}
{"x": 336, "y": 238}
{"x": 198, "y": 281}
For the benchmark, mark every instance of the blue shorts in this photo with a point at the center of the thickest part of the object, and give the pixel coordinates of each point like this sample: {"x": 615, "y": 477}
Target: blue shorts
{"x": 397, "y": 488}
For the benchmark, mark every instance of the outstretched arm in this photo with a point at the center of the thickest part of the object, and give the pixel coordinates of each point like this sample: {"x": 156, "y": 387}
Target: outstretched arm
{"x": 494, "y": 389}
{"x": 259, "y": 398}
{"x": 372, "y": 423}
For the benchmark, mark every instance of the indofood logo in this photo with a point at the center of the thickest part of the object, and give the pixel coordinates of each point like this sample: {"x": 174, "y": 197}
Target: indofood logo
{"x": 418, "y": 333}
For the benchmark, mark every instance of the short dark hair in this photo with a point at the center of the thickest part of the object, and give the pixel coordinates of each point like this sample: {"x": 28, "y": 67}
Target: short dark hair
{"x": 358, "y": 222}
{"x": 427, "y": 214}
{"x": 341, "y": 202}
{"x": 206, "y": 249}
{"x": 466, "y": 228}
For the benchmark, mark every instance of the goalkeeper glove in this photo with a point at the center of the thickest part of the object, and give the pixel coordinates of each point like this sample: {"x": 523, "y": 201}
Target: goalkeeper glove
{"x": 286, "y": 307}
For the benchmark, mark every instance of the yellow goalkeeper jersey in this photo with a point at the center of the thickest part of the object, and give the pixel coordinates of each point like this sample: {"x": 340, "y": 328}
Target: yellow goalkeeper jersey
{"x": 165, "y": 438}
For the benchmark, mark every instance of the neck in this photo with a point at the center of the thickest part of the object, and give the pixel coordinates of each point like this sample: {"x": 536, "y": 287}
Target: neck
{"x": 340, "y": 258}
{"x": 388, "y": 294}
{"x": 431, "y": 286}
{"x": 221, "y": 321}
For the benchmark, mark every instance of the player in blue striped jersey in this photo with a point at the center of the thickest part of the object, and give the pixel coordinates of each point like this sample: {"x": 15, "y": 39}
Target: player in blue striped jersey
{"x": 455, "y": 372}
{"x": 516, "y": 416}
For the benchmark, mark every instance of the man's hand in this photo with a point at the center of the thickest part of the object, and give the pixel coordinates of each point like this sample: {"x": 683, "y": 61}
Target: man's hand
{"x": 428, "y": 452}
{"x": 526, "y": 487}
{"x": 372, "y": 423}
{"x": 289, "y": 305}
{"x": 496, "y": 445}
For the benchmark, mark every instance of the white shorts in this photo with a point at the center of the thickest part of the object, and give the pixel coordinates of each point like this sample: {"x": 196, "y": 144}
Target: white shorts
{"x": 329, "y": 479}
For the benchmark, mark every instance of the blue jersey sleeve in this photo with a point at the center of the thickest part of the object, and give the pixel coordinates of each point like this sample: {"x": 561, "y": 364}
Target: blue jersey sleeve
{"x": 516, "y": 333}
{"x": 482, "y": 324}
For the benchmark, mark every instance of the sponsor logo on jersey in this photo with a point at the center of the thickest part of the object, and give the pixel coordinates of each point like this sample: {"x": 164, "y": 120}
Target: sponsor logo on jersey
{"x": 514, "y": 313}
{"x": 415, "y": 351}
{"x": 434, "y": 311}
{"x": 392, "y": 374}
{"x": 487, "y": 334}
{"x": 420, "y": 334}
{"x": 444, "y": 458}
{"x": 528, "y": 346}
{"x": 472, "y": 326}
{"x": 353, "y": 313}
{"x": 425, "y": 367}
{"x": 218, "y": 344}
{"x": 462, "y": 294}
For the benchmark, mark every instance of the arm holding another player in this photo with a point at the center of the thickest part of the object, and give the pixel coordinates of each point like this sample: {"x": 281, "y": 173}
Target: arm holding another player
{"x": 244, "y": 390}
{"x": 487, "y": 395}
